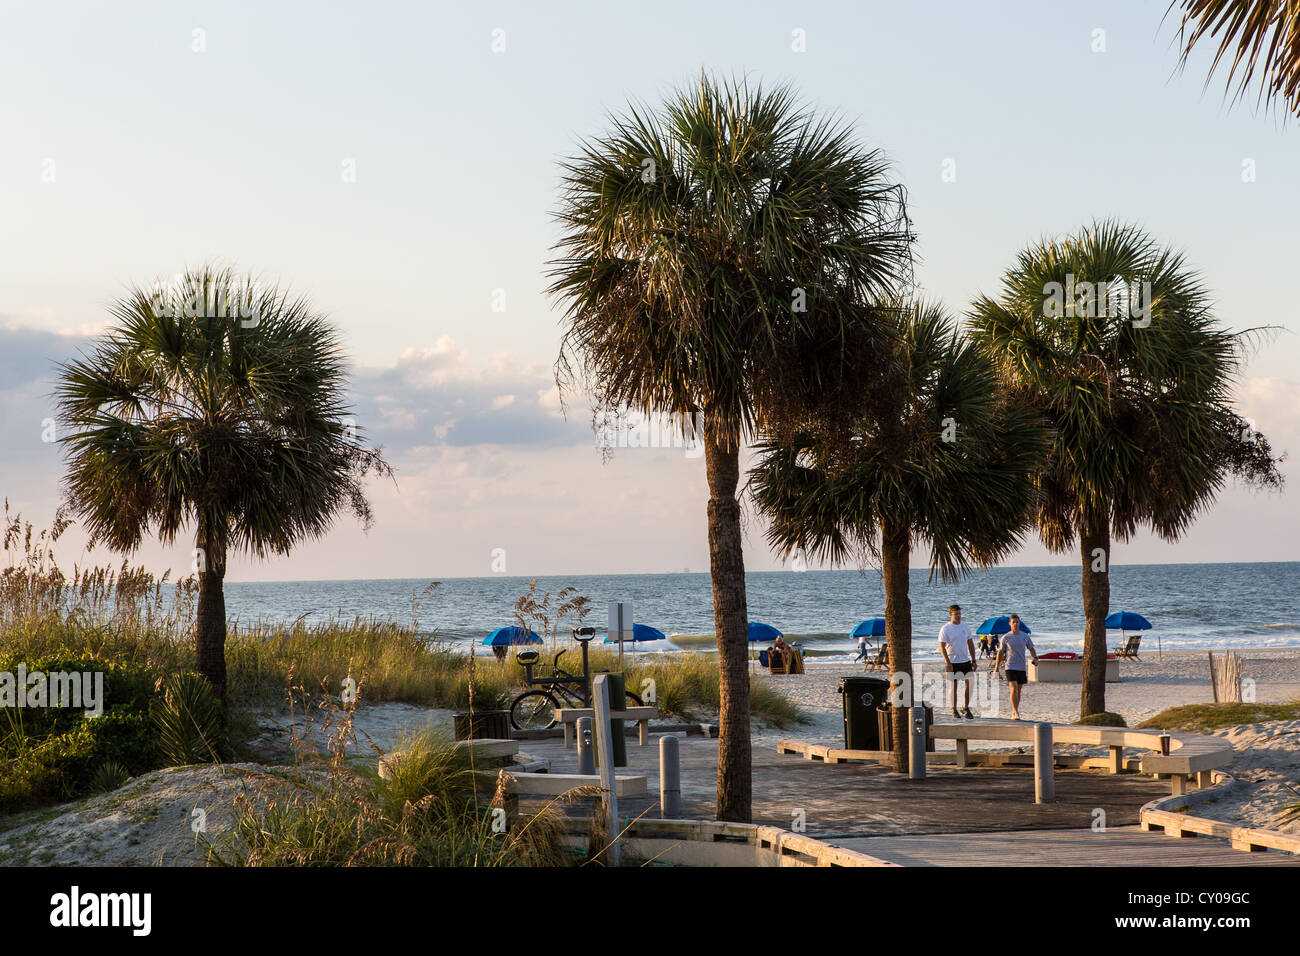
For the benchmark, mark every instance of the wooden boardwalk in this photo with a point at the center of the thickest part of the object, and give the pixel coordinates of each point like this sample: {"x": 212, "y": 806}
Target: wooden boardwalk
{"x": 979, "y": 816}
{"x": 1117, "y": 846}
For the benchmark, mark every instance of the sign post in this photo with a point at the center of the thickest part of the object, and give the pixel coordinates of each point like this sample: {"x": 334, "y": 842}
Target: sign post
{"x": 620, "y": 626}
{"x": 608, "y": 785}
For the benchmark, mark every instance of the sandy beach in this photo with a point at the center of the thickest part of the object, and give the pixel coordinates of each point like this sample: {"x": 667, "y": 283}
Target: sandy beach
{"x": 1265, "y": 769}
{"x": 1145, "y": 688}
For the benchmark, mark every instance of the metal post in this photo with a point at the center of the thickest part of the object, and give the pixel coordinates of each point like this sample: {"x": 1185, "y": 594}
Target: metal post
{"x": 916, "y": 743}
{"x": 670, "y": 779}
{"x": 600, "y": 698}
{"x": 1044, "y": 778}
{"x": 586, "y": 750}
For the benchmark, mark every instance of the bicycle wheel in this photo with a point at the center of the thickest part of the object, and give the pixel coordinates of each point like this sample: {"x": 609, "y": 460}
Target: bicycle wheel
{"x": 533, "y": 710}
{"x": 633, "y": 700}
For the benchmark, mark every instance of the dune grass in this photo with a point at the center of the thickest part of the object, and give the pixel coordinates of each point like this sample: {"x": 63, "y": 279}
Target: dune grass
{"x": 125, "y": 615}
{"x": 1203, "y": 718}
{"x": 430, "y": 809}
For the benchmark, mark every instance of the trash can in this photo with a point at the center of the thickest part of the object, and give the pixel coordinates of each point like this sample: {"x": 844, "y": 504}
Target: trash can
{"x": 862, "y": 695}
{"x": 885, "y": 727}
{"x": 483, "y": 725}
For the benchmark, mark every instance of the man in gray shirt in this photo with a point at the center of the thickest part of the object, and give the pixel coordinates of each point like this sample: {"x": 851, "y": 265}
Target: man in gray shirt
{"x": 1013, "y": 646}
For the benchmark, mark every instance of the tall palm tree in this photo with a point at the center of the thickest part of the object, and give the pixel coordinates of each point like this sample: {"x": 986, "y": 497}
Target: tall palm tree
{"x": 710, "y": 255}
{"x": 930, "y": 451}
{"x": 1263, "y": 37}
{"x": 216, "y": 406}
{"x": 1136, "y": 378}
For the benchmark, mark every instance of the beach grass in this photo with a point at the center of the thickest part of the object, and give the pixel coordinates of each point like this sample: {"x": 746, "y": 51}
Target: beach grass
{"x": 428, "y": 810}
{"x": 687, "y": 686}
{"x": 1203, "y": 718}
{"x": 125, "y": 614}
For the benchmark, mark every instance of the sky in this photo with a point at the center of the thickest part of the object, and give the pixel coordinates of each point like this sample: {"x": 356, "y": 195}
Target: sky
{"x": 398, "y": 164}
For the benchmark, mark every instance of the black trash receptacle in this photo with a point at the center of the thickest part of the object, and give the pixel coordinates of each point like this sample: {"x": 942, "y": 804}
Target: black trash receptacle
{"x": 483, "y": 725}
{"x": 862, "y": 695}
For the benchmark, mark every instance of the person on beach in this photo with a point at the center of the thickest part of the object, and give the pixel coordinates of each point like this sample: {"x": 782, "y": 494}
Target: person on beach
{"x": 863, "y": 644}
{"x": 957, "y": 646}
{"x": 1014, "y": 645}
{"x": 793, "y": 659}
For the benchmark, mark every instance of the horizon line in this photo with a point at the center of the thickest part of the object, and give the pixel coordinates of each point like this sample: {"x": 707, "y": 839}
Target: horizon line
{"x": 606, "y": 574}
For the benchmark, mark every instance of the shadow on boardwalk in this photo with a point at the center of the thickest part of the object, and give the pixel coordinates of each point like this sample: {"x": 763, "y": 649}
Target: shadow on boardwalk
{"x": 867, "y": 800}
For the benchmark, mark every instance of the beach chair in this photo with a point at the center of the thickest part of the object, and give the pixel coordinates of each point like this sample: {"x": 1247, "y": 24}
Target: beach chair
{"x": 776, "y": 662}
{"x": 881, "y": 660}
{"x": 1129, "y": 652}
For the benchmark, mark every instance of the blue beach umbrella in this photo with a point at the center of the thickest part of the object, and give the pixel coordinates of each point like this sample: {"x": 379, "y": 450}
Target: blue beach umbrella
{"x": 508, "y": 636}
{"x": 871, "y": 627}
{"x": 642, "y": 633}
{"x": 758, "y": 631}
{"x": 1128, "y": 621}
{"x": 1000, "y": 625}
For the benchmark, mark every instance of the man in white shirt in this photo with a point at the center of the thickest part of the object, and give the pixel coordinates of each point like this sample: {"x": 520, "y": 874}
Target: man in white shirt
{"x": 957, "y": 645}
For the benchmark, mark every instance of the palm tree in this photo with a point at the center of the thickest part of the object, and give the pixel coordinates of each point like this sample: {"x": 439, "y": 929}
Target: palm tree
{"x": 1263, "y": 37}
{"x": 1114, "y": 337}
{"x": 931, "y": 451}
{"x": 218, "y": 406}
{"x": 710, "y": 255}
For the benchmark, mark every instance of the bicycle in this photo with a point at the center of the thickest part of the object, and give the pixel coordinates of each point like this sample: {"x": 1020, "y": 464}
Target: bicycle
{"x": 535, "y": 709}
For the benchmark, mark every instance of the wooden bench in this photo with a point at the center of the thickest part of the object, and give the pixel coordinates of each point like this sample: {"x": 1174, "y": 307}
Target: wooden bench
{"x": 569, "y": 717}
{"x": 554, "y": 784}
{"x": 1189, "y": 754}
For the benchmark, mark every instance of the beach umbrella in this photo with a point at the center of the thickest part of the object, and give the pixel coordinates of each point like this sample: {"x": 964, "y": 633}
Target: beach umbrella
{"x": 758, "y": 632}
{"x": 1000, "y": 625}
{"x": 871, "y": 627}
{"x": 1127, "y": 621}
{"x": 1124, "y": 621}
{"x": 642, "y": 633}
{"x": 508, "y": 636}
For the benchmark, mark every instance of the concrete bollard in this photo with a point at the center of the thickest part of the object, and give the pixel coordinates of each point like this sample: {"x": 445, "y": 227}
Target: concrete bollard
{"x": 586, "y": 749}
{"x": 1044, "y": 777}
{"x": 916, "y": 743}
{"x": 670, "y": 779}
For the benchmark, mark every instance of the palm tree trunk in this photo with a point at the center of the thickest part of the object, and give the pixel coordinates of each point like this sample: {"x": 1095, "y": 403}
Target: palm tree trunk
{"x": 210, "y": 638}
{"x": 895, "y": 553}
{"x": 1094, "y": 538}
{"x": 731, "y": 624}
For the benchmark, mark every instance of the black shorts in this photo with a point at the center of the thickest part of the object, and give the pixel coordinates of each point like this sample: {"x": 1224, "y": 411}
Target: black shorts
{"x": 962, "y": 667}
{"x": 1017, "y": 677}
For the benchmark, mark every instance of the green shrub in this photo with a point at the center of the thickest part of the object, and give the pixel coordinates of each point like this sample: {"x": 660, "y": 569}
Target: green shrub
{"x": 1104, "y": 719}
{"x": 51, "y": 754}
{"x": 187, "y": 718}
{"x": 110, "y": 776}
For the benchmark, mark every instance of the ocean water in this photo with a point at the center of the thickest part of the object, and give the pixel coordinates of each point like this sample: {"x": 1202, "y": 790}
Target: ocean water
{"x": 1190, "y": 606}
